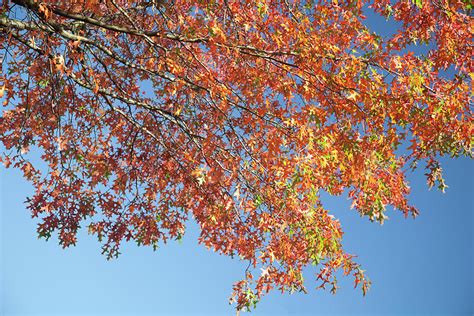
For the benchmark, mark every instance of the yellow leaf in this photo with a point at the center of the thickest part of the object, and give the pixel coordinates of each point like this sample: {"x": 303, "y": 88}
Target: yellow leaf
{"x": 323, "y": 162}
{"x": 272, "y": 256}
{"x": 353, "y": 95}
{"x": 237, "y": 192}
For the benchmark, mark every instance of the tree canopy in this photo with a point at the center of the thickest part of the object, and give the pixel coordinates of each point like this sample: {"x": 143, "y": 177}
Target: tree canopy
{"x": 131, "y": 117}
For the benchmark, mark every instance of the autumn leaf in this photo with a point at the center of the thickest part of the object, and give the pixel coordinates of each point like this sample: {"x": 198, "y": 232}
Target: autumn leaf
{"x": 135, "y": 117}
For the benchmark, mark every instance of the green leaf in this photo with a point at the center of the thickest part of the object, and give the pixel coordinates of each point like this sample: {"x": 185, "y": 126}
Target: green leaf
{"x": 418, "y": 3}
{"x": 258, "y": 200}
{"x": 43, "y": 83}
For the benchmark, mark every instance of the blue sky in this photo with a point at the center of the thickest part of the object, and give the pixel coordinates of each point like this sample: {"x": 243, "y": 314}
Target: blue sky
{"x": 418, "y": 267}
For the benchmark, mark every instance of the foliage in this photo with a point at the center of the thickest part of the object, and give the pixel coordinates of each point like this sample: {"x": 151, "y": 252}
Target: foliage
{"x": 235, "y": 113}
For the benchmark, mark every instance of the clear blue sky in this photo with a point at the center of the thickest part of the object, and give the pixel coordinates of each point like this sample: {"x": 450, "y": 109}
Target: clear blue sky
{"x": 418, "y": 267}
